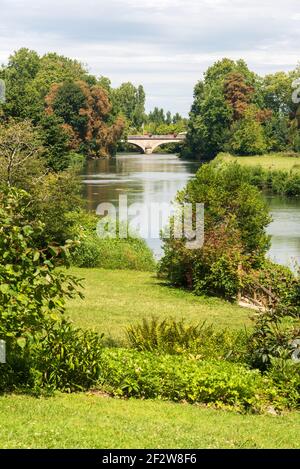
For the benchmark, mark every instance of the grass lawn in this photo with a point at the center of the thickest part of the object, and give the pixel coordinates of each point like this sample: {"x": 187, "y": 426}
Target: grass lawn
{"x": 89, "y": 421}
{"x": 114, "y": 299}
{"x": 273, "y": 161}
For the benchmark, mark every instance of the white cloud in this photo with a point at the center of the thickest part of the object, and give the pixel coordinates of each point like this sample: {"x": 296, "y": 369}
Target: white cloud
{"x": 164, "y": 44}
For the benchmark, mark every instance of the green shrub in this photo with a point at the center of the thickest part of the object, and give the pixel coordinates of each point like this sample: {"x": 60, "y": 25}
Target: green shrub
{"x": 286, "y": 376}
{"x": 274, "y": 279}
{"x": 178, "y": 337}
{"x": 68, "y": 358}
{"x": 31, "y": 287}
{"x": 235, "y": 239}
{"x": 130, "y": 253}
{"x": 59, "y": 358}
{"x": 88, "y": 252}
{"x": 146, "y": 375}
{"x": 272, "y": 337}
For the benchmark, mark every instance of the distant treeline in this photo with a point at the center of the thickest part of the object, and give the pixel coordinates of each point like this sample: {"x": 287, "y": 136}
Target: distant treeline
{"x": 73, "y": 111}
{"x": 237, "y": 111}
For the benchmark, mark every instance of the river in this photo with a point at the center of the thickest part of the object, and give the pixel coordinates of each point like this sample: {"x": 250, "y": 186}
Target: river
{"x": 157, "y": 178}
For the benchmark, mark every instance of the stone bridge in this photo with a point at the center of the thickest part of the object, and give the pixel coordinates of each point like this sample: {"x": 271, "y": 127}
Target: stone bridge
{"x": 148, "y": 143}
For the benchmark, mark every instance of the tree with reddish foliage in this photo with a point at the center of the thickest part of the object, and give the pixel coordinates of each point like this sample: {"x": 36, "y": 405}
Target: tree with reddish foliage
{"x": 85, "y": 111}
{"x": 238, "y": 94}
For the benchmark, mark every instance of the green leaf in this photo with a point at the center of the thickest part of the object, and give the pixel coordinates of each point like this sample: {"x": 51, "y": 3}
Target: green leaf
{"x": 21, "y": 341}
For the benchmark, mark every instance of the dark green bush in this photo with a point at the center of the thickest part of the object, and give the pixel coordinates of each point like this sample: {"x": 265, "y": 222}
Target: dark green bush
{"x": 87, "y": 253}
{"x": 272, "y": 337}
{"x": 285, "y": 373}
{"x": 60, "y": 358}
{"x": 147, "y": 375}
{"x": 178, "y": 337}
{"x": 68, "y": 358}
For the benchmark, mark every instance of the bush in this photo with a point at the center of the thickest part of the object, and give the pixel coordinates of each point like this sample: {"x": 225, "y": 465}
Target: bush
{"x": 87, "y": 253}
{"x": 178, "y": 337}
{"x": 235, "y": 239}
{"x": 31, "y": 287}
{"x": 286, "y": 376}
{"x": 130, "y": 253}
{"x": 59, "y": 358}
{"x": 274, "y": 279}
{"x": 67, "y": 358}
{"x": 273, "y": 336}
{"x": 146, "y": 375}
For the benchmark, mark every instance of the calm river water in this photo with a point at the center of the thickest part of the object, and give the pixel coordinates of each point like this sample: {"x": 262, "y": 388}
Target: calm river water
{"x": 157, "y": 178}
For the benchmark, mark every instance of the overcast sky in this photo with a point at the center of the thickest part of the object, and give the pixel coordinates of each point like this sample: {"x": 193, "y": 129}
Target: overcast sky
{"x": 165, "y": 45}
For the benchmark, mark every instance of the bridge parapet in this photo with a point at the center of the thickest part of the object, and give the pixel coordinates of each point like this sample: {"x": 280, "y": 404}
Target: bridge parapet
{"x": 148, "y": 143}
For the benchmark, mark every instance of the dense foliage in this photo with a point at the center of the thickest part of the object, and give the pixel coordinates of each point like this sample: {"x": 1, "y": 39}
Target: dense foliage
{"x": 235, "y": 240}
{"x": 59, "y": 357}
{"x": 275, "y": 181}
{"x": 236, "y": 110}
{"x": 32, "y": 289}
{"x": 179, "y": 337}
{"x": 148, "y": 375}
{"x": 42, "y": 349}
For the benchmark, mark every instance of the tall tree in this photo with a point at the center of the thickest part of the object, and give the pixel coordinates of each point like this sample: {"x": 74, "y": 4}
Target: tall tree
{"x": 237, "y": 93}
{"x": 84, "y": 110}
{"x": 130, "y": 102}
{"x": 18, "y": 75}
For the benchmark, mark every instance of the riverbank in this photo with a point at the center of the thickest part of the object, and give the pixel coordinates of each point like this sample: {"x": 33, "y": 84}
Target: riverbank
{"x": 270, "y": 161}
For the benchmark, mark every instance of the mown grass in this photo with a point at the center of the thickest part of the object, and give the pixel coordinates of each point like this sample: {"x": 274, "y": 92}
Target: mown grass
{"x": 91, "y": 421}
{"x": 114, "y": 299}
{"x": 271, "y": 161}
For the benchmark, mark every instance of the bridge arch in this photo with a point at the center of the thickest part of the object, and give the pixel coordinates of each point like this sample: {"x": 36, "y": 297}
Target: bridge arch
{"x": 148, "y": 143}
{"x": 137, "y": 145}
{"x": 158, "y": 144}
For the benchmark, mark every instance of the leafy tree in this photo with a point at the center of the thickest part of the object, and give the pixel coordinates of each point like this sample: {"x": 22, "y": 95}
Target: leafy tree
{"x": 130, "y": 102}
{"x": 248, "y": 136}
{"x": 84, "y": 110}
{"x": 56, "y": 143}
{"x": 277, "y": 92}
{"x": 238, "y": 94}
{"x": 157, "y": 116}
{"x": 32, "y": 289}
{"x": 177, "y": 118}
{"x": 56, "y": 68}
{"x": 105, "y": 83}
{"x": 29, "y": 77}
{"x": 224, "y": 104}
{"x": 19, "y": 74}
{"x": 168, "y": 118}
{"x": 20, "y": 154}
{"x": 53, "y": 196}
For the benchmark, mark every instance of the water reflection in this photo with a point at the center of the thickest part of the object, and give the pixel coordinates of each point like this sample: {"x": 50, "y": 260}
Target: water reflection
{"x": 285, "y": 230}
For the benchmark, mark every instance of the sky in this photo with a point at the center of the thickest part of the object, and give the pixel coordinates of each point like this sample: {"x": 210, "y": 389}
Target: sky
{"x": 165, "y": 45}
